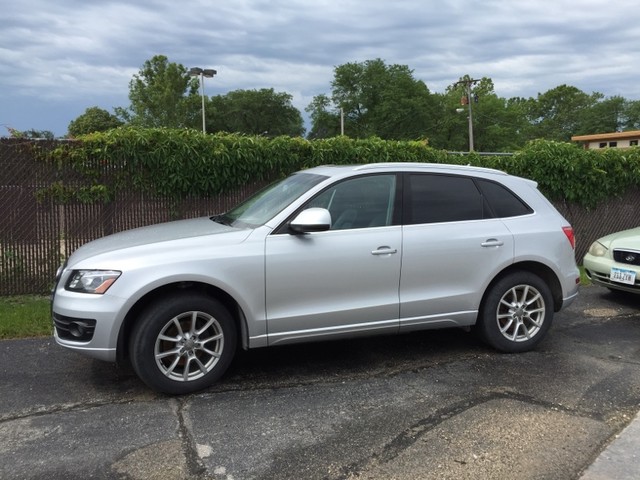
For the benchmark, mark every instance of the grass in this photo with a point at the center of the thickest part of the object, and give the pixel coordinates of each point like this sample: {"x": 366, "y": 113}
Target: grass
{"x": 584, "y": 280}
{"x": 25, "y": 316}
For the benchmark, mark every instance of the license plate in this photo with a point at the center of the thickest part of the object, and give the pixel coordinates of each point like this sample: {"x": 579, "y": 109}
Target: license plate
{"x": 622, "y": 275}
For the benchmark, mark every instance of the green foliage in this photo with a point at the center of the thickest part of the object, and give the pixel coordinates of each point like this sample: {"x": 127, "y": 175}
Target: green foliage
{"x": 254, "y": 112}
{"x": 173, "y": 163}
{"x": 31, "y": 134}
{"x": 94, "y": 119}
{"x": 388, "y": 102}
{"x": 631, "y": 115}
{"x": 376, "y": 100}
{"x": 605, "y": 115}
{"x": 325, "y": 120}
{"x": 180, "y": 163}
{"x": 162, "y": 94}
{"x": 565, "y": 171}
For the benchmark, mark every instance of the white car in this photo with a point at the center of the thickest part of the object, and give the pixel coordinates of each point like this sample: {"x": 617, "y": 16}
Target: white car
{"x": 327, "y": 253}
{"x": 613, "y": 261}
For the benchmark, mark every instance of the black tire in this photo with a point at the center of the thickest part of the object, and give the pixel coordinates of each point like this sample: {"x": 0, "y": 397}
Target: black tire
{"x": 516, "y": 313}
{"x": 183, "y": 343}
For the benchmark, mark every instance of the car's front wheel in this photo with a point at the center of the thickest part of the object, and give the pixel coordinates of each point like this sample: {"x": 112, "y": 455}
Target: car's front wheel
{"x": 516, "y": 313}
{"x": 183, "y": 343}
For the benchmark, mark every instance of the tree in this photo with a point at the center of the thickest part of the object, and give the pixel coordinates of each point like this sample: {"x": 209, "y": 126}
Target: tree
{"x": 325, "y": 121}
{"x": 94, "y": 119}
{"x": 162, "y": 94}
{"x": 498, "y": 124}
{"x": 254, "y": 112}
{"x": 516, "y": 115}
{"x": 450, "y": 131}
{"x": 377, "y": 100}
{"x": 631, "y": 115}
{"x": 556, "y": 113}
{"x": 31, "y": 134}
{"x": 605, "y": 115}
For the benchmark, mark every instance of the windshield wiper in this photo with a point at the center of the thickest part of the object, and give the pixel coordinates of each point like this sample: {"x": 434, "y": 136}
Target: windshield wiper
{"x": 221, "y": 219}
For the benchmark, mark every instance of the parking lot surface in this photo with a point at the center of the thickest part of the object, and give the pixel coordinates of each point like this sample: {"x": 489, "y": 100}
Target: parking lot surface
{"x": 434, "y": 404}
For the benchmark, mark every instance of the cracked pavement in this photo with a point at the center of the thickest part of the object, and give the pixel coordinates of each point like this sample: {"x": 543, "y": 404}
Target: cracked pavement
{"x": 425, "y": 405}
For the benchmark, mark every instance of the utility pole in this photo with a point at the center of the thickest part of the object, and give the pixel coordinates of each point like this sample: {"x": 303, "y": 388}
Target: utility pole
{"x": 467, "y": 81}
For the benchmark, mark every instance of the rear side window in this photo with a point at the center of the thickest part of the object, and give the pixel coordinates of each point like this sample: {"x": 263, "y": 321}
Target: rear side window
{"x": 442, "y": 198}
{"x": 503, "y": 201}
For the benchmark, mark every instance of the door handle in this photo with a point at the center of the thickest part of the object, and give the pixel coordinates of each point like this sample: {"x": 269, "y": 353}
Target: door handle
{"x": 492, "y": 242}
{"x": 384, "y": 251}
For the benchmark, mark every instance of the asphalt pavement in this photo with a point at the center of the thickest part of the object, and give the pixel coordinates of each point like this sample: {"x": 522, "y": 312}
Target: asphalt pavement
{"x": 620, "y": 460}
{"x": 428, "y": 405}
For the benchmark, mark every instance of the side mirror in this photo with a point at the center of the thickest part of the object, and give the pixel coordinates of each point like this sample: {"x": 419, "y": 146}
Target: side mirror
{"x": 311, "y": 220}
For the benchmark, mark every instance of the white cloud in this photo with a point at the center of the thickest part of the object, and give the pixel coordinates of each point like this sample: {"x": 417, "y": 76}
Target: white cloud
{"x": 59, "y": 58}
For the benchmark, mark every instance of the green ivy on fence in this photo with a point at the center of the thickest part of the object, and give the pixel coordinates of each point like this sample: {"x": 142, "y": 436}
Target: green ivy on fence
{"x": 181, "y": 163}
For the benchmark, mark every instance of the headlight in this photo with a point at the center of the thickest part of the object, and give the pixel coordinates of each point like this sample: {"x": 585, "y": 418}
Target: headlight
{"x": 597, "y": 249}
{"x": 92, "y": 281}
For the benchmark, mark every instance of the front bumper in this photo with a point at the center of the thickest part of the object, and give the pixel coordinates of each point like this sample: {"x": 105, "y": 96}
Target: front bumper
{"x": 86, "y": 323}
{"x": 598, "y": 270}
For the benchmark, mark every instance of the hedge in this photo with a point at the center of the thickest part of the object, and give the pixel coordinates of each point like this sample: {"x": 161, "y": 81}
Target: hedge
{"x": 181, "y": 163}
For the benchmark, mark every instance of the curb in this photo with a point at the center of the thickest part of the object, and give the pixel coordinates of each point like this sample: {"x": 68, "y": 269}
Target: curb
{"x": 620, "y": 460}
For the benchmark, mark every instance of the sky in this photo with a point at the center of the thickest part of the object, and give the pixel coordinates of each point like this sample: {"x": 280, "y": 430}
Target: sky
{"x": 59, "y": 58}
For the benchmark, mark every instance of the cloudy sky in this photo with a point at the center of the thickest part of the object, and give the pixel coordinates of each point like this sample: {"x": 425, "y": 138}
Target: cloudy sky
{"x": 59, "y": 58}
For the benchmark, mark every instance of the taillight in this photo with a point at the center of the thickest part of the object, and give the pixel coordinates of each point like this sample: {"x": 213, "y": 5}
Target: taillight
{"x": 568, "y": 231}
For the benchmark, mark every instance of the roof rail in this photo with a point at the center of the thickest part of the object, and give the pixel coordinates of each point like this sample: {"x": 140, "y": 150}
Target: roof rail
{"x": 432, "y": 166}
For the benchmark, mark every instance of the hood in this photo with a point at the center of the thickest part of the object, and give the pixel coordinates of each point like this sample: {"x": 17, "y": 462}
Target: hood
{"x": 151, "y": 238}
{"x": 626, "y": 239}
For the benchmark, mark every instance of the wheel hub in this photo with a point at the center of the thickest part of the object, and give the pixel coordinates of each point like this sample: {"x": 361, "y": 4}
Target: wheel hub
{"x": 518, "y": 313}
{"x": 189, "y": 344}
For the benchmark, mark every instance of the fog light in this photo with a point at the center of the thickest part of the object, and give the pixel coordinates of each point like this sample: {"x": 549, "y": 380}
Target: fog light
{"x": 78, "y": 329}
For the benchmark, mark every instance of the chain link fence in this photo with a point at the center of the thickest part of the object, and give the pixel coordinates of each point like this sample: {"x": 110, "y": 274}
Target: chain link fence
{"x": 36, "y": 236}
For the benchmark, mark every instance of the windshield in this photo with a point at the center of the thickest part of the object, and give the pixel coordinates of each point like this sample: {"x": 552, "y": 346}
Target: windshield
{"x": 268, "y": 202}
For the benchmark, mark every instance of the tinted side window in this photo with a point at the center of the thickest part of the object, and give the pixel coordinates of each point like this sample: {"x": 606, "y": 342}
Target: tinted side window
{"x": 442, "y": 198}
{"x": 503, "y": 201}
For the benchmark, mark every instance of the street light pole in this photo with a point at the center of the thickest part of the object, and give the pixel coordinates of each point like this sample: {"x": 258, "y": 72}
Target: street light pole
{"x": 209, "y": 73}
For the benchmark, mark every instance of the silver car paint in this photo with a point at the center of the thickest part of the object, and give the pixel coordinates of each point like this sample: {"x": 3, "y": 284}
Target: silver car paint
{"x": 334, "y": 282}
{"x": 449, "y": 268}
{"x": 213, "y": 259}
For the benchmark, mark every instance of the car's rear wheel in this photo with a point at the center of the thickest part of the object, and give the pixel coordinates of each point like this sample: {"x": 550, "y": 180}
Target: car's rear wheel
{"x": 516, "y": 312}
{"x": 183, "y": 343}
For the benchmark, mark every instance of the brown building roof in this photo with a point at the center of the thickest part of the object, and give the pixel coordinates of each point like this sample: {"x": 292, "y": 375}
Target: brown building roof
{"x": 606, "y": 136}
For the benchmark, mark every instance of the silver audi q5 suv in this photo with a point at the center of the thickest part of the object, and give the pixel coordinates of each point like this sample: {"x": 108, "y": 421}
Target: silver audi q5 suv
{"x": 327, "y": 253}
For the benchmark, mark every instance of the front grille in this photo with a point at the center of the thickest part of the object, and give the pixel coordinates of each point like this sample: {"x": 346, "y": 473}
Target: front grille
{"x": 77, "y": 329}
{"x": 627, "y": 256}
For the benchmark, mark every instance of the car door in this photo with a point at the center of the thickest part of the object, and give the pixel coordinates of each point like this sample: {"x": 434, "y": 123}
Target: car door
{"x": 452, "y": 248}
{"x": 343, "y": 281}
